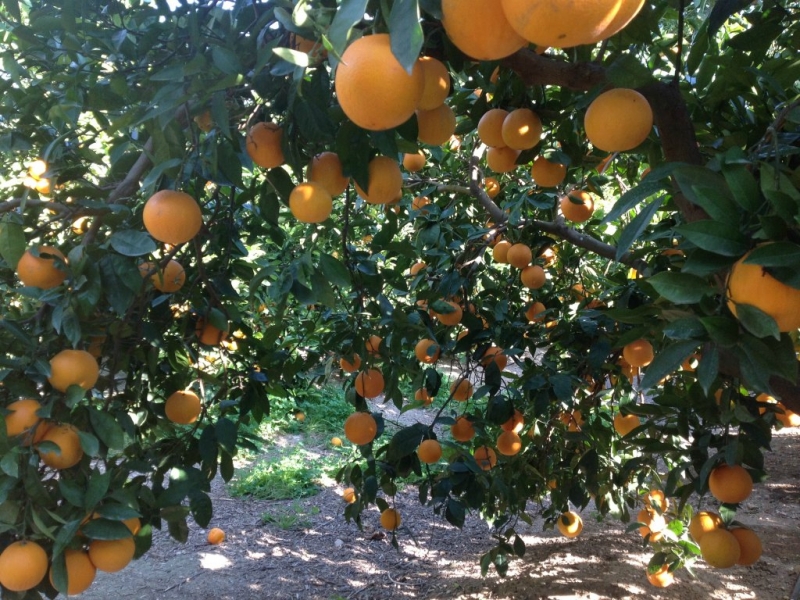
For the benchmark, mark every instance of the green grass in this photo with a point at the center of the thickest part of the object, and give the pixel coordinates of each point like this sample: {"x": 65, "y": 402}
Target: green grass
{"x": 290, "y": 517}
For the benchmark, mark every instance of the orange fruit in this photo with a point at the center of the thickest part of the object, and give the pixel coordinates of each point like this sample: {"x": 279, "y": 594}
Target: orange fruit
{"x": 547, "y": 174}
{"x": 654, "y": 524}
{"x": 80, "y": 572}
{"x": 373, "y": 88}
{"x": 436, "y": 83}
{"x": 348, "y": 366}
{"x": 168, "y": 280}
{"x": 515, "y": 423}
{"x": 533, "y": 312}
{"x": 480, "y": 29}
{"x": 208, "y": 334}
{"x": 452, "y": 318}
{"x": 43, "y": 186}
{"x": 500, "y": 251}
{"x": 730, "y": 484}
{"x": 263, "y": 144}
{"x": 436, "y": 126}
{"x": 577, "y": 206}
{"x": 183, "y": 407}
{"x": 385, "y": 181}
{"x": 509, "y": 443}
{"x": 638, "y": 353}
{"x": 310, "y": 203}
{"x": 661, "y": 578}
{"x": 519, "y": 255}
{"x": 204, "y": 121}
{"x": 112, "y": 555}
{"x": 570, "y": 524}
{"x": 720, "y": 548}
{"x": 349, "y": 495}
{"x": 561, "y": 23}
{"x": 533, "y": 277}
{"x": 42, "y": 271}
{"x": 370, "y": 383}
{"x": 373, "y": 344}
{"x": 22, "y": 418}
{"x": 336, "y": 441}
{"x": 624, "y": 424}
{"x": 573, "y": 420}
{"x": 461, "y": 390}
{"x": 502, "y": 160}
{"x": 37, "y": 168}
{"x": 424, "y": 353}
{"x": 702, "y": 523}
{"x": 788, "y": 418}
{"x": 485, "y": 457}
{"x": 414, "y": 162}
{"x": 618, "y": 120}
{"x": 657, "y": 499}
{"x": 215, "y": 536}
{"x": 494, "y": 355}
{"x": 326, "y": 170}
{"x": 420, "y": 202}
{"x": 492, "y": 187}
{"x": 172, "y": 217}
{"x": 360, "y": 428}
{"x": 315, "y": 49}
{"x": 751, "y": 284}
{"x": 416, "y": 268}
{"x": 422, "y": 395}
{"x": 390, "y": 519}
{"x": 133, "y": 524}
{"x": 628, "y": 9}
{"x": 521, "y": 129}
{"x": 490, "y": 127}
{"x": 23, "y": 565}
{"x": 73, "y": 367}
{"x": 749, "y": 545}
{"x": 429, "y": 451}
{"x": 69, "y": 443}
{"x": 462, "y": 430}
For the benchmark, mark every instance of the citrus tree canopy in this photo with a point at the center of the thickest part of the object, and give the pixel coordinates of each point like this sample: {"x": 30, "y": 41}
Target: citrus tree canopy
{"x": 571, "y": 230}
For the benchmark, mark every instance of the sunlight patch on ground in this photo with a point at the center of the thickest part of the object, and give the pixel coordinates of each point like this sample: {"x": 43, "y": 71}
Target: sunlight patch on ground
{"x": 214, "y": 562}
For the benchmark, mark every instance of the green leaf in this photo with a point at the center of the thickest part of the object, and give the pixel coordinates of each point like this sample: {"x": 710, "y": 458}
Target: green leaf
{"x": 405, "y": 442}
{"x": 405, "y": 32}
{"x": 680, "y": 288}
{"x": 107, "y": 429}
{"x": 722, "y": 330}
{"x": 294, "y": 57}
{"x": 708, "y": 190}
{"x": 777, "y": 254}
{"x": 12, "y": 242}
{"x": 627, "y": 71}
{"x": 105, "y": 529}
{"x": 716, "y": 237}
{"x": 226, "y": 60}
{"x": 348, "y": 15}
{"x": 757, "y": 322}
{"x": 637, "y": 225}
{"x": 651, "y": 185}
{"x": 129, "y": 242}
{"x": 334, "y": 270}
{"x": 722, "y": 11}
{"x": 708, "y": 368}
{"x": 666, "y": 361}
{"x": 743, "y": 186}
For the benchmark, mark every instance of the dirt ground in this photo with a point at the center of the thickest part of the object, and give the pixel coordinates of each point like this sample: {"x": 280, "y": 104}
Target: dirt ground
{"x": 321, "y": 556}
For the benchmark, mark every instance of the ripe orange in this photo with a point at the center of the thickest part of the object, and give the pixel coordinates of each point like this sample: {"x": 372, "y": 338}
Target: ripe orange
{"x": 570, "y": 524}
{"x": 416, "y": 268}
{"x": 326, "y": 169}
{"x": 360, "y": 428}
{"x": 80, "y": 572}
{"x": 730, "y": 484}
{"x": 533, "y": 277}
{"x": 414, "y": 162}
{"x": 336, "y": 441}
{"x": 42, "y": 271}
{"x": 385, "y": 181}
{"x": 168, "y": 280}
{"x": 519, "y": 255}
{"x": 436, "y": 86}
{"x": 547, "y": 174}
{"x": 373, "y": 88}
{"x": 627, "y": 11}
{"x": 349, "y": 495}
{"x": 515, "y": 423}
{"x": 624, "y": 424}
{"x": 638, "y": 353}
{"x": 480, "y": 29}
{"x": 661, "y": 578}
{"x": 22, "y": 418}
{"x": 390, "y": 519}
{"x": 373, "y": 344}
{"x": 73, "y": 367}
{"x": 23, "y": 565}
{"x": 350, "y": 367}
{"x": 420, "y": 202}
{"x": 749, "y": 545}
{"x": 577, "y": 206}
{"x": 702, "y": 523}
{"x": 509, "y": 443}
{"x": 436, "y": 126}
{"x": 573, "y": 420}
{"x": 370, "y": 383}
{"x": 521, "y": 129}
{"x": 788, "y": 418}
{"x": 183, "y": 407}
{"x": 656, "y": 499}
{"x": 133, "y": 524}
{"x": 534, "y": 311}
{"x": 310, "y": 203}
{"x": 485, "y": 457}
{"x": 263, "y": 144}
{"x": 654, "y": 524}
{"x": 751, "y": 284}
{"x": 618, "y": 120}
{"x": 452, "y": 318}
{"x": 422, "y": 395}
{"x": 204, "y": 121}
{"x": 69, "y": 444}
{"x": 37, "y": 168}
{"x": 429, "y": 451}
{"x": 494, "y": 355}
{"x": 720, "y": 548}
{"x": 215, "y": 536}
{"x": 502, "y": 160}
{"x": 492, "y": 187}
{"x": 490, "y": 127}
{"x": 461, "y": 390}
{"x": 462, "y": 430}
{"x": 112, "y": 555}
{"x": 172, "y": 217}
{"x": 427, "y": 351}
{"x": 500, "y": 251}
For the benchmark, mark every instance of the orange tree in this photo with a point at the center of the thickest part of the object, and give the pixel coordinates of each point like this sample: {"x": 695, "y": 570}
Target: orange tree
{"x": 575, "y": 237}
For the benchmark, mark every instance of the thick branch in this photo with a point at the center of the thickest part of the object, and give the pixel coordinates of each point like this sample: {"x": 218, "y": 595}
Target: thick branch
{"x": 15, "y": 203}
{"x": 540, "y": 70}
{"x": 477, "y": 190}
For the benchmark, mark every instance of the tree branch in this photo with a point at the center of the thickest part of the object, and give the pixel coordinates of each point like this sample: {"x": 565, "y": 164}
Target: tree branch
{"x": 15, "y": 203}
